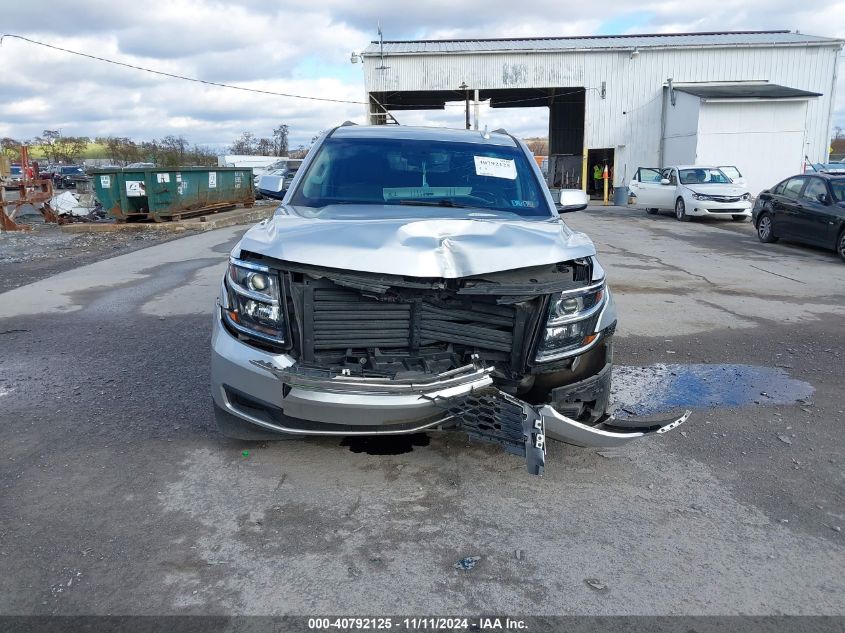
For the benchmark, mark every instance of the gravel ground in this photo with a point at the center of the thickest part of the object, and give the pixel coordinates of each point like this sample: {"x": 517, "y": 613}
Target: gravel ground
{"x": 27, "y": 256}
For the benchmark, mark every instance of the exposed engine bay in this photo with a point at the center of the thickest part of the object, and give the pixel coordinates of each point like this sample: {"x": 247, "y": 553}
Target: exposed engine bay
{"x": 389, "y": 326}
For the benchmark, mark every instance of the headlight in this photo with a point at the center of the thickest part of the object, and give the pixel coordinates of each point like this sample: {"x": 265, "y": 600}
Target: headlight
{"x": 746, "y": 196}
{"x": 571, "y": 321}
{"x": 253, "y": 301}
{"x": 700, "y": 196}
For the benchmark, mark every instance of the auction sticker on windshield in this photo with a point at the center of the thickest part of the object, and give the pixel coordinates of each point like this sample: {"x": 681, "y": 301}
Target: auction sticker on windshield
{"x": 495, "y": 167}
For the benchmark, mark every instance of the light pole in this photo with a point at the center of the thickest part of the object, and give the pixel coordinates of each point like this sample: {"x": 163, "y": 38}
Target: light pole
{"x": 465, "y": 88}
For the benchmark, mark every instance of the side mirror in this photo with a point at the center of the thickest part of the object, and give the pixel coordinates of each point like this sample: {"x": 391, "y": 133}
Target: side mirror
{"x": 664, "y": 181}
{"x": 569, "y": 208}
{"x": 823, "y": 198}
{"x": 569, "y": 200}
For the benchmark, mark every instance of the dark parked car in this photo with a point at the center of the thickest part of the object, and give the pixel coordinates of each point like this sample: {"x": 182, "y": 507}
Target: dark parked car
{"x": 67, "y": 176}
{"x": 807, "y": 208}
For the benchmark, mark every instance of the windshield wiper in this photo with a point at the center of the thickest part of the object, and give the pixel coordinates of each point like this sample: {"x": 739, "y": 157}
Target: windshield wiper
{"x": 442, "y": 202}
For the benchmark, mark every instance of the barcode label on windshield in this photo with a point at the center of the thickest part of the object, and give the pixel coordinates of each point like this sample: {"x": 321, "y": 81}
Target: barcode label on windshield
{"x": 495, "y": 167}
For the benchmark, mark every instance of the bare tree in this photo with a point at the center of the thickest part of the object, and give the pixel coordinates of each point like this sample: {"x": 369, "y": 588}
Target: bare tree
{"x": 280, "y": 136}
{"x": 120, "y": 149}
{"x": 300, "y": 152}
{"x": 538, "y": 146}
{"x": 245, "y": 144}
{"x": 265, "y": 147}
{"x": 173, "y": 150}
{"x": 66, "y": 149}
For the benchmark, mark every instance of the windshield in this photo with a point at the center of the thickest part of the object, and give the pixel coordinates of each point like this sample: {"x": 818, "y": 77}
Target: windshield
{"x": 16, "y": 170}
{"x": 703, "y": 175}
{"x": 422, "y": 172}
{"x": 838, "y": 187}
{"x": 72, "y": 170}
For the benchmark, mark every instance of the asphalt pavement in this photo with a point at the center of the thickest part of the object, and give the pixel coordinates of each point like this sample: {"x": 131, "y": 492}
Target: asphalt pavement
{"x": 119, "y": 497}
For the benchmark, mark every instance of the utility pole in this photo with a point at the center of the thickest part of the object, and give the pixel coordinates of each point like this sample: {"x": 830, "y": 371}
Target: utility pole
{"x": 465, "y": 88}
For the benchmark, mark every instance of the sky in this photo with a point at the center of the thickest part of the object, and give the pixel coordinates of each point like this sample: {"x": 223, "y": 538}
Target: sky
{"x": 300, "y": 47}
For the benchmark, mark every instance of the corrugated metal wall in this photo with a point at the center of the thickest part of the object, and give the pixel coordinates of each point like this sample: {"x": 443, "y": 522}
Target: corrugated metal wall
{"x": 630, "y": 114}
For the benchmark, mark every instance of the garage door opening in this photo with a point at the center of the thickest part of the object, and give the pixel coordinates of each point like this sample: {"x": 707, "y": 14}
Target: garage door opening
{"x": 565, "y": 119}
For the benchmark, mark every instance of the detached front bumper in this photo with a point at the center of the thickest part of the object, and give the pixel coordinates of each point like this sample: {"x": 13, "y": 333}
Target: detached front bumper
{"x": 272, "y": 392}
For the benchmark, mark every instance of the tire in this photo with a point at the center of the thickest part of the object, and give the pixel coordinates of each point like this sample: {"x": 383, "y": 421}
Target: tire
{"x": 233, "y": 427}
{"x": 652, "y": 211}
{"x": 739, "y": 218}
{"x": 765, "y": 229}
{"x": 840, "y": 245}
{"x": 681, "y": 210}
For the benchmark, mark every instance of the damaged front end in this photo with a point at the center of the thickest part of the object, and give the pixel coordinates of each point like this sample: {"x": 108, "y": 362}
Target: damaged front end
{"x": 467, "y": 400}
{"x": 510, "y": 357}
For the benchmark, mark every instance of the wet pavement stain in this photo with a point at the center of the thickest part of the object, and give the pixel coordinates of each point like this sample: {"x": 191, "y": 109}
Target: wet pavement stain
{"x": 385, "y": 444}
{"x": 663, "y": 388}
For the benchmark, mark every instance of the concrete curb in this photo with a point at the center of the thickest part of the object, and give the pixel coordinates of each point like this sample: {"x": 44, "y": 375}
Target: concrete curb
{"x": 201, "y": 223}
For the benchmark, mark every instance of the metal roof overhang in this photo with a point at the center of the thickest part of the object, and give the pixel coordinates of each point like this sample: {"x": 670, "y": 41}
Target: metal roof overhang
{"x": 746, "y": 91}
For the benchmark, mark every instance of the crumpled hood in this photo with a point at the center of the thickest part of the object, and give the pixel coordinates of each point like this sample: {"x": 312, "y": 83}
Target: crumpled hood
{"x": 718, "y": 190}
{"x": 373, "y": 238}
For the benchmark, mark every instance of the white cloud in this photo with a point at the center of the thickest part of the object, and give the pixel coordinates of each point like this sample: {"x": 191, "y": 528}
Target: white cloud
{"x": 302, "y": 47}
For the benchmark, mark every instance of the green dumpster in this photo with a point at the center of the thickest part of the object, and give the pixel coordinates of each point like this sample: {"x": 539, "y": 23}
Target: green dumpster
{"x": 171, "y": 193}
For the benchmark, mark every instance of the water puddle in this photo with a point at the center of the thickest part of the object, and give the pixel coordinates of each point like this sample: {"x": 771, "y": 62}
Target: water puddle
{"x": 385, "y": 444}
{"x": 664, "y": 388}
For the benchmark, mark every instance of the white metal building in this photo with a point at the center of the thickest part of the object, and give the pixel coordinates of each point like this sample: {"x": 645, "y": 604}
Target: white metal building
{"x": 761, "y": 100}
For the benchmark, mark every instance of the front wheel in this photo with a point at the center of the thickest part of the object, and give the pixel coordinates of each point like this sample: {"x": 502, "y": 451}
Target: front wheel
{"x": 739, "y": 218}
{"x": 840, "y": 245}
{"x": 681, "y": 210}
{"x": 765, "y": 229}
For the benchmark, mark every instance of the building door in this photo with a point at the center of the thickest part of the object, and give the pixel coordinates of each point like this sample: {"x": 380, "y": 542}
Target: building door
{"x": 599, "y": 157}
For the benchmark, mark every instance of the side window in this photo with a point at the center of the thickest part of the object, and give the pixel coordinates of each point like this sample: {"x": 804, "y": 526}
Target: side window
{"x": 814, "y": 189}
{"x": 793, "y": 187}
{"x": 778, "y": 190}
{"x": 647, "y": 174}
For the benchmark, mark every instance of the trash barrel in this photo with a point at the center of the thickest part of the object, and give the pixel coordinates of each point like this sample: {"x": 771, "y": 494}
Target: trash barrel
{"x": 620, "y": 196}
{"x": 174, "y": 193}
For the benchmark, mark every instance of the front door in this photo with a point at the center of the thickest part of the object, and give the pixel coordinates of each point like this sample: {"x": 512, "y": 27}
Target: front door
{"x": 786, "y": 207}
{"x": 815, "y": 220}
{"x": 666, "y": 193}
{"x": 646, "y": 187}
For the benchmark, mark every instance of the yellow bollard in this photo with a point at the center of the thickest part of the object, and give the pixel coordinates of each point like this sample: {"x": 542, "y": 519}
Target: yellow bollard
{"x": 605, "y": 177}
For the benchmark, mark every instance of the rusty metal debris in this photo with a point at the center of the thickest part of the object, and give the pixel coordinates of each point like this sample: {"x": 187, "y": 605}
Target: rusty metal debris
{"x": 33, "y": 191}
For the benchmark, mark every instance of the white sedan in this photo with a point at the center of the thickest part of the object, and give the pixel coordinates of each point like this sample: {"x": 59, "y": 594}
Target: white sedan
{"x": 690, "y": 191}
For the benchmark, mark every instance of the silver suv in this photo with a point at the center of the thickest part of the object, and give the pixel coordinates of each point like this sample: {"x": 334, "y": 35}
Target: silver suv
{"x": 418, "y": 279}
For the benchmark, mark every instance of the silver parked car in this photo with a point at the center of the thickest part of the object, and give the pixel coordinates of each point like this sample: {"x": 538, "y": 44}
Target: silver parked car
{"x": 418, "y": 279}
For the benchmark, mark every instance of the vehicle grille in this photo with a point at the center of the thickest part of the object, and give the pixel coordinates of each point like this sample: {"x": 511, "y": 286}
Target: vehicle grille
{"x": 345, "y": 319}
{"x": 725, "y": 198}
